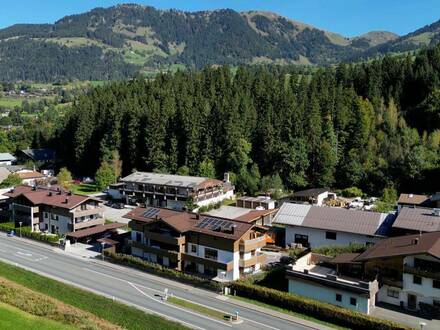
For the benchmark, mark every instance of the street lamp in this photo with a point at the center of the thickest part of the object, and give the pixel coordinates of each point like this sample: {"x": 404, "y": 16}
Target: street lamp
{"x": 102, "y": 249}
{"x": 20, "y": 223}
{"x": 422, "y": 324}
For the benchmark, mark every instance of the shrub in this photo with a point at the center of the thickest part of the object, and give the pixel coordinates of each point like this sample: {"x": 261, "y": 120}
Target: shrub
{"x": 26, "y": 232}
{"x": 352, "y": 192}
{"x": 333, "y": 251}
{"x": 157, "y": 269}
{"x": 316, "y": 309}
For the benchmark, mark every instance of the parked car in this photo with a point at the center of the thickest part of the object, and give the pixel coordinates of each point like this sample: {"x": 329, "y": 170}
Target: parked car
{"x": 118, "y": 205}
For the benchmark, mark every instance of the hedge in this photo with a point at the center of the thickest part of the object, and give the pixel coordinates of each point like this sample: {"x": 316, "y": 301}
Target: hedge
{"x": 322, "y": 311}
{"x": 26, "y": 232}
{"x": 153, "y": 268}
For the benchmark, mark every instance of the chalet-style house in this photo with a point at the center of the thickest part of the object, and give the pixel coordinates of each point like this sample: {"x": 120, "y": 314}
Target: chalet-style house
{"x": 313, "y": 196}
{"x": 314, "y": 226}
{"x": 219, "y": 248}
{"x": 6, "y": 158}
{"x": 413, "y": 200}
{"x": 408, "y": 269}
{"x": 41, "y": 157}
{"x": 260, "y": 202}
{"x": 53, "y": 209}
{"x": 402, "y": 271}
{"x": 174, "y": 191}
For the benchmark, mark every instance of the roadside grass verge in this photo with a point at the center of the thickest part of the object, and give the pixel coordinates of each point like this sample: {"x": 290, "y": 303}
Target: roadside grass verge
{"x": 117, "y": 313}
{"x": 13, "y": 318}
{"x": 198, "y": 308}
{"x": 288, "y": 312}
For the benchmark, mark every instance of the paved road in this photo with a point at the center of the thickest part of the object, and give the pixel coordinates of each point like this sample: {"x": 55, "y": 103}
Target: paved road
{"x": 132, "y": 287}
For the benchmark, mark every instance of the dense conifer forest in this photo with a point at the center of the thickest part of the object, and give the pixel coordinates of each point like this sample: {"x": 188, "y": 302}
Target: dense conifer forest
{"x": 373, "y": 125}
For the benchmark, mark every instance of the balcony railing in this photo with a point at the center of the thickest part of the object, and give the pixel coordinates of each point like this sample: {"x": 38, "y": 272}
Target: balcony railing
{"x": 165, "y": 238}
{"x": 422, "y": 272}
{"x": 88, "y": 223}
{"x": 256, "y": 259}
{"x": 208, "y": 262}
{"x": 173, "y": 255}
{"x": 253, "y": 244}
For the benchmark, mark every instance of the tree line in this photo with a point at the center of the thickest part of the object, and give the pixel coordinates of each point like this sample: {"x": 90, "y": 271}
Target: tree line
{"x": 372, "y": 125}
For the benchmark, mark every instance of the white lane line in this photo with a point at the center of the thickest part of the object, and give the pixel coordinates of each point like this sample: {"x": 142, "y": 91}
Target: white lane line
{"x": 24, "y": 254}
{"x": 100, "y": 293}
{"x": 136, "y": 286}
{"x": 179, "y": 308}
{"x": 262, "y": 324}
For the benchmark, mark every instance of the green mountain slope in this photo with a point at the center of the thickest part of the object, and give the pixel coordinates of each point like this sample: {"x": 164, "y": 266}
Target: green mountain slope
{"x": 119, "y": 41}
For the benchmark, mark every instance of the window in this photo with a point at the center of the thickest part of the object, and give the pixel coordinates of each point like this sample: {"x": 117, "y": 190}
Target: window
{"x": 138, "y": 237}
{"x": 353, "y": 301}
{"x": 392, "y": 293}
{"x": 54, "y": 217}
{"x": 302, "y": 239}
{"x": 193, "y": 248}
{"x": 45, "y": 215}
{"x": 338, "y": 297}
{"x": 83, "y": 207}
{"x": 330, "y": 235}
{"x": 211, "y": 254}
{"x": 417, "y": 279}
{"x": 436, "y": 284}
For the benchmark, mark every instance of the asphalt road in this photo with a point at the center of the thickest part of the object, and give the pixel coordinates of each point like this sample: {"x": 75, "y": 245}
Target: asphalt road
{"x": 141, "y": 290}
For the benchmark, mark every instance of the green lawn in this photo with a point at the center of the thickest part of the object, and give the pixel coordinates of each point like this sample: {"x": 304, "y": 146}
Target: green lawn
{"x": 117, "y": 313}
{"x": 13, "y": 318}
{"x": 84, "y": 189}
{"x": 198, "y": 308}
{"x": 10, "y": 102}
{"x": 286, "y": 311}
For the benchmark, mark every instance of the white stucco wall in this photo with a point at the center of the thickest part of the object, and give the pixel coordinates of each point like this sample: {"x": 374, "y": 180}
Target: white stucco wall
{"x": 62, "y": 223}
{"x": 382, "y": 295}
{"x": 317, "y": 237}
{"x": 229, "y": 194}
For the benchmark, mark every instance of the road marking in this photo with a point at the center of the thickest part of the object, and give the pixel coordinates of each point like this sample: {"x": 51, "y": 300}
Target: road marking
{"x": 179, "y": 308}
{"x": 24, "y": 254}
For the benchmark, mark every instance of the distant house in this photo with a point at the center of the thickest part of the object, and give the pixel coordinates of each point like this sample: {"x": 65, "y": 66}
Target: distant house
{"x": 257, "y": 217}
{"x": 412, "y": 220}
{"x": 174, "y": 191}
{"x": 53, "y": 209}
{"x": 30, "y": 178}
{"x": 7, "y": 159}
{"x": 314, "y": 226}
{"x": 413, "y": 200}
{"x": 255, "y": 202}
{"x": 314, "y": 196}
{"x": 43, "y": 157}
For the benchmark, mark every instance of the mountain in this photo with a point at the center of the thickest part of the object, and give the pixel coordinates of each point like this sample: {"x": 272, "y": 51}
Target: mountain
{"x": 117, "y": 42}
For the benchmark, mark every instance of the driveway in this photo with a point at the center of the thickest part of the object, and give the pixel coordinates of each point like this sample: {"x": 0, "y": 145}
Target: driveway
{"x": 398, "y": 316}
{"x": 115, "y": 215}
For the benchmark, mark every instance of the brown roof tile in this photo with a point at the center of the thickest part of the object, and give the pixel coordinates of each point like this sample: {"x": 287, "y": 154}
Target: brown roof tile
{"x": 419, "y": 219}
{"x": 413, "y": 199}
{"x": 95, "y": 230}
{"x": 30, "y": 175}
{"x": 428, "y": 243}
{"x": 255, "y": 215}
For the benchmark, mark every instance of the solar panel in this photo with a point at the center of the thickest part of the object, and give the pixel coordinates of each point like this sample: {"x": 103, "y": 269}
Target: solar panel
{"x": 151, "y": 213}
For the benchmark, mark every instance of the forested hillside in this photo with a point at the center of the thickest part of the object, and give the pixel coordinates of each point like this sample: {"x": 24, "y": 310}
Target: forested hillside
{"x": 371, "y": 125}
{"x": 118, "y": 42}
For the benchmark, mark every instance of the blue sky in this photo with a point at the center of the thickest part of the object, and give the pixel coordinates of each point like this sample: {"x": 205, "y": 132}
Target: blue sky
{"x": 347, "y": 17}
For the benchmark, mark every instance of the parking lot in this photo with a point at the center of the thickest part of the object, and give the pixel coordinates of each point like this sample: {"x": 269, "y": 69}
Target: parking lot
{"x": 116, "y": 215}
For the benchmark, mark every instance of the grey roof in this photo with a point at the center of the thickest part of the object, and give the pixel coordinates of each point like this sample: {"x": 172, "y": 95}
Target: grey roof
{"x": 228, "y": 212}
{"x": 40, "y": 154}
{"x": 166, "y": 179}
{"x": 335, "y": 219}
{"x": 259, "y": 199}
{"x": 419, "y": 219}
{"x": 5, "y": 156}
{"x": 292, "y": 214}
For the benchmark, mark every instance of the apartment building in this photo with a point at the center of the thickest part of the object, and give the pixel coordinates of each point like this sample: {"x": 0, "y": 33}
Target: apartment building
{"x": 174, "y": 191}
{"x": 53, "y": 209}
{"x": 218, "y": 248}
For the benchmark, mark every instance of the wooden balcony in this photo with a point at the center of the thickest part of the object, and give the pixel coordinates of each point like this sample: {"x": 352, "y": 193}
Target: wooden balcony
{"x": 256, "y": 259}
{"x": 253, "y": 244}
{"x": 90, "y": 223}
{"x": 89, "y": 211}
{"x": 172, "y": 255}
{"x": 208, "y": 262}
{"x": 164, "y": 238}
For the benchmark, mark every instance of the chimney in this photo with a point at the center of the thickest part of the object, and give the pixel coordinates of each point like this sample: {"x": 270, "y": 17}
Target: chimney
{"x": 69, "y": 193}
{"x": 415, "y": 241}
{"x": 226, "y": 177}
{"x": 197, "y": 216}
{"x": 66, "y": 200}
{"x": 49, "y": 193}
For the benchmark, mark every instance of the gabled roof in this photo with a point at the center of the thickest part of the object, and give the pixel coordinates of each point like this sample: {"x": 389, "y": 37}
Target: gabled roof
{"x": 334, "y": 219}
{"x": 40, "y": 154}
{"x": 314, "y": 192}
{"x": 255, "y": 215}
{"x": 170, "y": 180}
{"x": 6, "y": 156}
{"x": 95, "y": 230}
{"x": 30, "y": 175}
{"x": 49, "y": 196}
{"x": 428, "y": 243}
{"x": 418, "y": 219}
{"x": 413, "y": 199}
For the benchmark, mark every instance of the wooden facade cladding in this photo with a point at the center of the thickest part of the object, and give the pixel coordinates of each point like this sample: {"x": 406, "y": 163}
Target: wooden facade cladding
{"x": 165, "y": 238}
{"x": 208, "y": 262}
{"x": 252, "y": 244}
